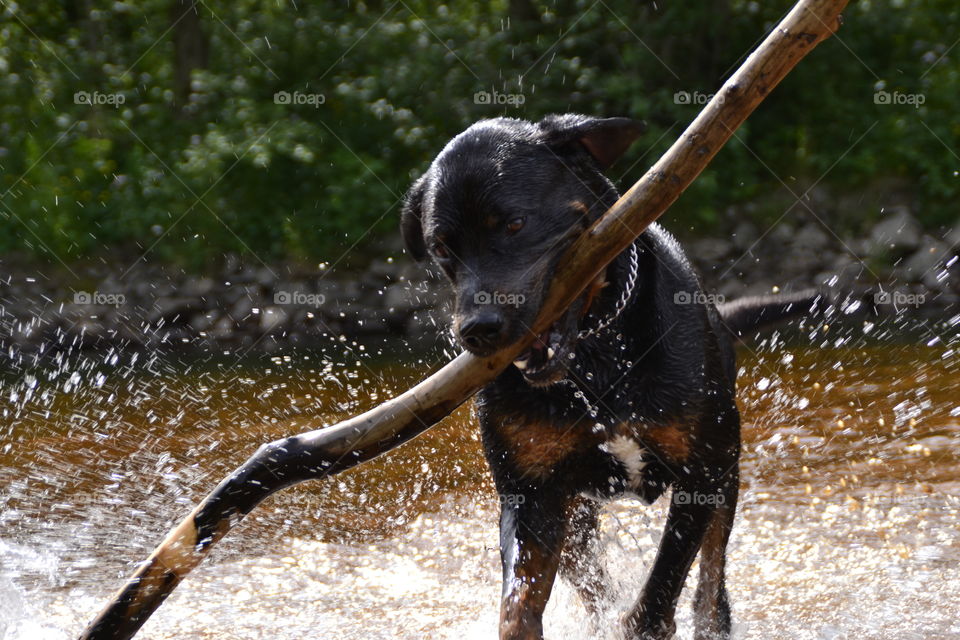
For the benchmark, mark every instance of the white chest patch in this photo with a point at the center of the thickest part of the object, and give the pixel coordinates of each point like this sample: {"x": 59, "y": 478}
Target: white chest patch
{"x": 629, "y": 453}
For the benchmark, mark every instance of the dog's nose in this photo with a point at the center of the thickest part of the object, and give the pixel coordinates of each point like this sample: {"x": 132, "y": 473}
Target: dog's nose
{"x": 482, "y": 331}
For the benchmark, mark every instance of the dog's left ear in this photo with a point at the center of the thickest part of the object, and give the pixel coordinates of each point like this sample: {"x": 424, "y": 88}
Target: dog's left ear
{"x": 606, "y": 139}
{"x": 411, "y": 227}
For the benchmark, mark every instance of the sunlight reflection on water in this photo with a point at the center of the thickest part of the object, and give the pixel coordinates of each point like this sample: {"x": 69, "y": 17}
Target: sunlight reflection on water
{"x": 848, "y": 525}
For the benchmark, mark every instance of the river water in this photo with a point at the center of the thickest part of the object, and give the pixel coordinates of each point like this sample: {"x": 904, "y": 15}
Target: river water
{"x": 848, "y": 525}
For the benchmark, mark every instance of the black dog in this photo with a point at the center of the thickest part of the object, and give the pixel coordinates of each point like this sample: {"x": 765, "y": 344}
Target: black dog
{"x": 630, "y": 392}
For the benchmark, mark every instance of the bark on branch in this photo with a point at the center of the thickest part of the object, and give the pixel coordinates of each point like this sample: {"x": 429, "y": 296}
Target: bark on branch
{"x": 324, "y": 452}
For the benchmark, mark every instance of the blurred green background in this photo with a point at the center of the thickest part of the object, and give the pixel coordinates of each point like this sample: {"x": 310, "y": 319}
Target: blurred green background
{"x": 189, "y": 130}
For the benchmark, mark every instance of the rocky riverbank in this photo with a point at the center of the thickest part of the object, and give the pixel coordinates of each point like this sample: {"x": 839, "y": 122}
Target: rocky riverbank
{"x": 249, "y": 306}
{"x": 896, "y": 256}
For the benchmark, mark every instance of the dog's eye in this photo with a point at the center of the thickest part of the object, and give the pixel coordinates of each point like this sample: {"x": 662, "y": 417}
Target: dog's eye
{"x": 440, "y": 251}
{"x": 515, "y": 225}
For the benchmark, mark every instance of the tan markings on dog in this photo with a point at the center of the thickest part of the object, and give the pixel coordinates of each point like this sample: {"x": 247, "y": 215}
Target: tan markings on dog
{"x": 538, "y": 448}
{"x": 671, "y": 440}
{"x": 712, "y": 567}
{"x": 580, "y": 206}
{"x": 525, "y": 598}
{"x": 490, "y": 221}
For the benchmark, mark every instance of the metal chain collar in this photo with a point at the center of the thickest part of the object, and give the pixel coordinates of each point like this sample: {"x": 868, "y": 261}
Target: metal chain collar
{"x": 624, "y": 297}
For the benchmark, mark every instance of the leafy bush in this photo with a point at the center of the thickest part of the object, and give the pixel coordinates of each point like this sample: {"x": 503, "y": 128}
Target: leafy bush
{"x": 227, "y": 167}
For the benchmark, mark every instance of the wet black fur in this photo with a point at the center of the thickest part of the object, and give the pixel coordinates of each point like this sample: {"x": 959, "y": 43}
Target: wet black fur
{"x": 660, "y": 363}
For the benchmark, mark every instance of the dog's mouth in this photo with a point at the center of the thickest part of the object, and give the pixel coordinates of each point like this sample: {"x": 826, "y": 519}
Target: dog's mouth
{"x": 552, "y": 352}
{"x": 545, "y": 362}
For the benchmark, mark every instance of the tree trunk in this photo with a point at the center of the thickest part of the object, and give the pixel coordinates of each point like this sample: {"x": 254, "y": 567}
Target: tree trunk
{"x": 191, "y": 47}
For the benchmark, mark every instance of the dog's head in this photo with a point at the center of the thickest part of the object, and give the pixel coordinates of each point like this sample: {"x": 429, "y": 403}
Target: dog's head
{"x": 496, "y": 210}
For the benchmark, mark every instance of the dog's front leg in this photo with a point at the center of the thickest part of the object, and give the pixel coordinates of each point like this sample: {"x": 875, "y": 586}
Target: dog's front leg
{"x": 532, "y": 528}
{"x": 580, "y": 561}
{"x": 652, "y": 617}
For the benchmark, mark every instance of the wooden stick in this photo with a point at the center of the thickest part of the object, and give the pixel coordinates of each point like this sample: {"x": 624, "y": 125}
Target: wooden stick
{"x": 324, "y": 452}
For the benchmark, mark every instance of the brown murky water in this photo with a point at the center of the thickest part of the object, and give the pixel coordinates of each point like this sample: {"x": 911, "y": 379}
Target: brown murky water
{"x": 848, "y": 527}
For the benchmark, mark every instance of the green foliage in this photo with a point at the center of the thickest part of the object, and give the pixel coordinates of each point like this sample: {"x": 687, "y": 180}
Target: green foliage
{"x": 229, "y": 169}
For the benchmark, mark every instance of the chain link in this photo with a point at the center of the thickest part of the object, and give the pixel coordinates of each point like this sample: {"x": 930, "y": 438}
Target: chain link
{"x": 624, "y": 297}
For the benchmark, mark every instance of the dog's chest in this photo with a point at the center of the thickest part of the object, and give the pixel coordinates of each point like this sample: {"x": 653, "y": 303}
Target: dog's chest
{"x": 629, "y": 454}
{"x": 536, "y": 449}
{"x": 627, "y": 468}
{"x": 556, "y": 442}
{"x": 586, "y": 459}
